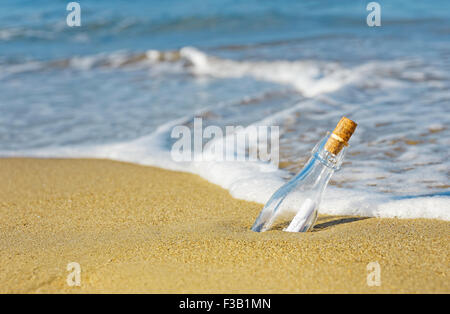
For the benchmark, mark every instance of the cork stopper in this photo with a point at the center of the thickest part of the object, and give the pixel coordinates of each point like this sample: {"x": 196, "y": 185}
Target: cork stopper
{"x": 340, "y": 136}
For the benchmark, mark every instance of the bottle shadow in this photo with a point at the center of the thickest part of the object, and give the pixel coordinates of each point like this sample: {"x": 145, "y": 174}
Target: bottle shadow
{"x": 331, "y": 221}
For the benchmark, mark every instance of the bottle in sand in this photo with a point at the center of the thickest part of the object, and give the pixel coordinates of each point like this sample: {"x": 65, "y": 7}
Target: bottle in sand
{"x": 294, "y": 206}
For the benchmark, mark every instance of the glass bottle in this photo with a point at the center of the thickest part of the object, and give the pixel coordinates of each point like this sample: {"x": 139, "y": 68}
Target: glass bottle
{"x": 294, "y": 206}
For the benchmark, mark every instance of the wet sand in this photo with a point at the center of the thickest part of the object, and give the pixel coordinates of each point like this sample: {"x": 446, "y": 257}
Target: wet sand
{"x": 142, "y": 229}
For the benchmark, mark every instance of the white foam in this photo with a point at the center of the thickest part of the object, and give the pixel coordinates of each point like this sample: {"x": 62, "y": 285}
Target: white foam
{"x": 311, "y": 78}
{"x": 253, "y": 181}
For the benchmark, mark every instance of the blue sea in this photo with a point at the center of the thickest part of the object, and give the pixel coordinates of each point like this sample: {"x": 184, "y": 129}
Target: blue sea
{"x": 117, "y": 85}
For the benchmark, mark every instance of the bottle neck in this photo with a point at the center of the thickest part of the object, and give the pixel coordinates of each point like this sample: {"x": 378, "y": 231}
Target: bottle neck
{"x": 327, "y": 158}
{"x": 317, "y": 172}
{"x": 320, "y": 167}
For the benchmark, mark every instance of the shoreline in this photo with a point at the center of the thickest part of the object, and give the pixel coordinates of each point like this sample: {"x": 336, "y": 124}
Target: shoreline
{"x": 136, "y": 228}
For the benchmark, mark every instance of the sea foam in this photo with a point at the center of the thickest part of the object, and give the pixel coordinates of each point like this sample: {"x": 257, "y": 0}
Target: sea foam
{"x": 253, "y": 181}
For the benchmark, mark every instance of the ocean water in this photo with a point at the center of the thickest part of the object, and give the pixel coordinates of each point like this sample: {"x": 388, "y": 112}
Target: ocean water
{"x": 116, "y": 86}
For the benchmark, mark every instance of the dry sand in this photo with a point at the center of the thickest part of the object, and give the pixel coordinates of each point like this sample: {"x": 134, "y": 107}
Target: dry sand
{"x": 143, "y": 229}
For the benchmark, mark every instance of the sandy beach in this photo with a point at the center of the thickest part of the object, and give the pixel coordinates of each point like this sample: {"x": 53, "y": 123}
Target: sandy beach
{"x": 141, "y": 229}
